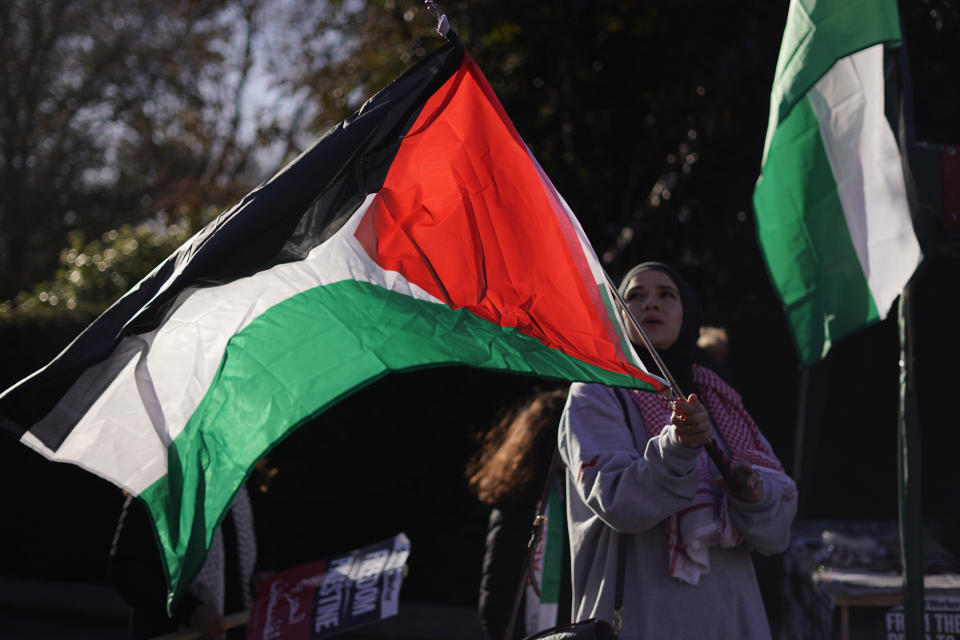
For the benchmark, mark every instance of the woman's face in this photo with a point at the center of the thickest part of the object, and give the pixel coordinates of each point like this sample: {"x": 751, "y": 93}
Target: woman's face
{"x": 655, "y": 302}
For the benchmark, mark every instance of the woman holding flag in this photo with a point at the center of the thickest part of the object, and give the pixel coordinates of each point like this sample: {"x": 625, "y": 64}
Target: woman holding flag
{"x": 648, "y": 514}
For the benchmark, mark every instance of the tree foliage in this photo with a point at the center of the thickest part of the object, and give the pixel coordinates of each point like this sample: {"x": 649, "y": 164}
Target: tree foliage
{"x": 112, "y": 112}
{"x": 93, "y": 274}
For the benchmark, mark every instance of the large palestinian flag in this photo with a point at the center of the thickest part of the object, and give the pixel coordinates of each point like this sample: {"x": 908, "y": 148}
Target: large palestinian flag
{"x": 418, "y": 232}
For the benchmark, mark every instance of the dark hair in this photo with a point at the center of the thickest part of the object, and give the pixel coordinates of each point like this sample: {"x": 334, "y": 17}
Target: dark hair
{"x": 514, "y": 456}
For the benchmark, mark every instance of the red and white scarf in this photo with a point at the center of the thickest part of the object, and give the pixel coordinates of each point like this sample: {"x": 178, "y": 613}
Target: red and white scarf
{"x": 705, "y": 523}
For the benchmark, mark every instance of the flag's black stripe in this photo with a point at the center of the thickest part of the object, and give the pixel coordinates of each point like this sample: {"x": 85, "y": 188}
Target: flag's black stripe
{"x": 280, "y": 221}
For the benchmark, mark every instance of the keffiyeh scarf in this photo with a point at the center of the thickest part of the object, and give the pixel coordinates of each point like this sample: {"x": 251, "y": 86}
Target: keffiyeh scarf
{"x": 705, "y": 523}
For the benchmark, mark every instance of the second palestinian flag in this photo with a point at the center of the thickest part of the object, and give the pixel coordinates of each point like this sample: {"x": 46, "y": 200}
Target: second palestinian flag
{"x": 832, "y": 215}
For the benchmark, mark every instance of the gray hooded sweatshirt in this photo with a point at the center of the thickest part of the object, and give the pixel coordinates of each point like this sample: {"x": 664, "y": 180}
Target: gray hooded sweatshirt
{"x": 621, "y": 486}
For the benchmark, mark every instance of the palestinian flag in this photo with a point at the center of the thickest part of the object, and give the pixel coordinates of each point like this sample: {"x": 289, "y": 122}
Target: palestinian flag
{"x": 418, "y": 232}
{"x": 541, "y": 610}
{"x": 832, "y": 215}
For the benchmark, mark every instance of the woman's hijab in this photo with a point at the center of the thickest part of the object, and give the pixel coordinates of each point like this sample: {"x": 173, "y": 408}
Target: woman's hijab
{"x": 681, "y": 355}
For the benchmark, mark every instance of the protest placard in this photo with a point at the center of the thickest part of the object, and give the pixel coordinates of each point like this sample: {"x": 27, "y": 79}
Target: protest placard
{"x": 323, "y": 598}
{"x": 941, "y": 617}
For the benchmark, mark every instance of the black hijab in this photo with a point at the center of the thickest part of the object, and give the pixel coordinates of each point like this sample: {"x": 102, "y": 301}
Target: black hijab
{"x": 684, "y": 352}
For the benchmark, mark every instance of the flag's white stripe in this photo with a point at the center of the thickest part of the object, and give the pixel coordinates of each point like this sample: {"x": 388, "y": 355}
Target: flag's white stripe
{"x": 848, "y": 102}
{"x": 159, "y": 378}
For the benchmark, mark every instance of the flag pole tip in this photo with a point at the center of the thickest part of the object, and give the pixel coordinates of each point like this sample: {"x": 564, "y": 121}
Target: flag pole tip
{"x": 443, "y": 25}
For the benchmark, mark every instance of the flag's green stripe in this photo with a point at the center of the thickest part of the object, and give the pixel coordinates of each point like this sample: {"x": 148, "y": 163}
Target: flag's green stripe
{"x": 805, "y": 240}
{"x": 817, "y": 34}
{"x": 553, "y": 549}
{"x": 274, "y": 376}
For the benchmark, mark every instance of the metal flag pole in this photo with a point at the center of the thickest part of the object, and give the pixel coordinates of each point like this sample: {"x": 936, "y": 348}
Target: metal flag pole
{"x": 713, "y": 450}
{"x": 909, "y": 455}
{"x": 909, "y": 460}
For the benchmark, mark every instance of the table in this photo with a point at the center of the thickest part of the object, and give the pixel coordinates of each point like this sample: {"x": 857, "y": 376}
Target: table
{"x": 880, "y": 589}
{"x": 856, "y": 564}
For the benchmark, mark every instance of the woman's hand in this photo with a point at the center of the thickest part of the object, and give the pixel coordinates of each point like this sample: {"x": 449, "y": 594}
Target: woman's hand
{"x": 751, "y": 486}
{"x": 691, "y": 422}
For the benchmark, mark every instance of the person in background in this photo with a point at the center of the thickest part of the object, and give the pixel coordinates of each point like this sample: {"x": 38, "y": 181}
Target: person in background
{"x": 715, "y": 342}
{"x": 508, "y": 474}
{"x": 223, "y": 586}
{"x": 638, "y": 475}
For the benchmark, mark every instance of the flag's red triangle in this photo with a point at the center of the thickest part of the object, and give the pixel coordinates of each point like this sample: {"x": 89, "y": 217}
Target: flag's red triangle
{"x": 466, "y": 214}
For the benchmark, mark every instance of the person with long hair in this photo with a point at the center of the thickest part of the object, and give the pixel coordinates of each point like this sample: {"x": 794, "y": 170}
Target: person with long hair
{"x": 638, "y": 478}
{"x": 508, "y": 474}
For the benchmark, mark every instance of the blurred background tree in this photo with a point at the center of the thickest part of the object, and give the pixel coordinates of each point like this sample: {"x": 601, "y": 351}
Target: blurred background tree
{"x": 114, "y": 111}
